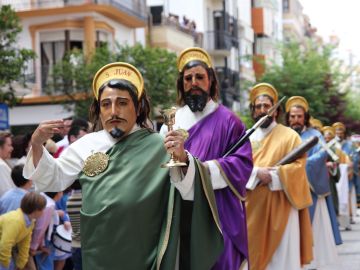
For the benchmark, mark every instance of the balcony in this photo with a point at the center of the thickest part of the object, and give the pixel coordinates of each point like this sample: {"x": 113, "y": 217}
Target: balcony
{"x": 130, "y": 12}
{"x": 168, "y": 33}
{"x": 218, "y": 42}
{"x": 262, "y": 21}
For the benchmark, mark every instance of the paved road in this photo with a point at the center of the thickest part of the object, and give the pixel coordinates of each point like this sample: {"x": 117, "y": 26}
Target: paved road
{"x": 349, "y": 251}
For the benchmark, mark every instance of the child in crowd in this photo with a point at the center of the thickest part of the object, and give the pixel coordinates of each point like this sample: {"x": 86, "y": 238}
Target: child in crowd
{"x": 15, "y": 231}
{"x": 12, "y": 198}
{"x": 41, "y": 242}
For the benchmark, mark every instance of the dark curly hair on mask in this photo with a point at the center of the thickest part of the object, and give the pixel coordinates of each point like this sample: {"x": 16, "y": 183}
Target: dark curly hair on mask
{"x": 142, "y": 105}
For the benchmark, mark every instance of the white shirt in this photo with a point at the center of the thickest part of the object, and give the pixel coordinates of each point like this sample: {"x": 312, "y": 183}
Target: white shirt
{"x": 64, "y": 142}
{"x": 6, "y": 182}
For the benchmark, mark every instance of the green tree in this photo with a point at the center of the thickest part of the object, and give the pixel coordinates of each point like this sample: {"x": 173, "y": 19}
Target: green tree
{"x": 12, "y": 59}
{"x": 158, "y": 67}
{"x": 73, "y": 75}
{"x": 352, "y": 112}
{"x": 309, "y": 71}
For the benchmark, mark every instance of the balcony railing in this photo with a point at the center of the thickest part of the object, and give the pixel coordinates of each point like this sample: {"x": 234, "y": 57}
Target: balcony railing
{"x": 133, "y": 7}
{"x": 217, "y": 40}
{"x": 175, "y": 24}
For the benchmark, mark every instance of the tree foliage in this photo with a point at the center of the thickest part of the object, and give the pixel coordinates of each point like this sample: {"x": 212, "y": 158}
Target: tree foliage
{"x": 312, "y": 72}
{"x": 12, "y": 59}
{"x": 158, "y": 67}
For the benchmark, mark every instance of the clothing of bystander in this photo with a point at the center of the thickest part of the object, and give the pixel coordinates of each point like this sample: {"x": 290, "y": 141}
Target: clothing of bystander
{"x": 5, "y": 171}
{"x": 41, "y": 241}
{"x": 73, "y": 208}
{"x": 15, "y": 231}
{"x": 11, "y": 200}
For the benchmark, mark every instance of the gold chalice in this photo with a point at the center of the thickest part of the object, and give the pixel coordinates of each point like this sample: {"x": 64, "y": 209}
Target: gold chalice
{"x": 169, "y": 120}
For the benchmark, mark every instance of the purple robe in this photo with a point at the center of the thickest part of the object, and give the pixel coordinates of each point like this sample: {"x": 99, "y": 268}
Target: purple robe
{"x": 210, "y": 139}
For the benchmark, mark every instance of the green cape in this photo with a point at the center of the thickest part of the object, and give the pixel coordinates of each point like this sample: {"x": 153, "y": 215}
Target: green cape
{"x": 130, "y": 216}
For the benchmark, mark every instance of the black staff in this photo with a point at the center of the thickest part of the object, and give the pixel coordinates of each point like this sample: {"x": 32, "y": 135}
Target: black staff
{"x": 250, "y": 131}
{"x": 298, "y": 151}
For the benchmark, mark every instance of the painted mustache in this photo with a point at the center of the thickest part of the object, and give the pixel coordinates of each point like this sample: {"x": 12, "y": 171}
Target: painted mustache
{"x": 116, "y": 118}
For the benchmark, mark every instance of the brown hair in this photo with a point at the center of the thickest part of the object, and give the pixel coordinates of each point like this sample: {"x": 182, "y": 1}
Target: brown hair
{"x": 142, "y": 105}
{"x": 3, "y": 136}
{"x": 214, "y": 83}
{"x": 31, "y": 202}
{"x": 306, "y": 116}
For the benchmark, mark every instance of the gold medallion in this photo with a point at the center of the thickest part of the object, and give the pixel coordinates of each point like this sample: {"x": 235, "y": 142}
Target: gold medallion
{"x": 95, "y": 164}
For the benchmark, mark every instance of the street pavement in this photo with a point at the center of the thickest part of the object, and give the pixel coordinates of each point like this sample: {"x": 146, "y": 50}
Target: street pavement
{"x": 349, "y": 251}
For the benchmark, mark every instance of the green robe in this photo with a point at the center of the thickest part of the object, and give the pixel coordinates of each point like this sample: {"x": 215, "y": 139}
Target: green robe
{"x": 130, "y": 212}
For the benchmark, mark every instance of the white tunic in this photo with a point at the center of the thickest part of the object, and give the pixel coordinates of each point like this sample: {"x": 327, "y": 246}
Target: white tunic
{"x": 324, "y": 249}
{"x": 57, "y": 174}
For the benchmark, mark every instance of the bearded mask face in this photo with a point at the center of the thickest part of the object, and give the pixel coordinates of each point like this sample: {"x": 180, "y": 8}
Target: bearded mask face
{"x": 297, "y": 119}
{"x": 261, "y": 107}
{"x": 196, "y": 84}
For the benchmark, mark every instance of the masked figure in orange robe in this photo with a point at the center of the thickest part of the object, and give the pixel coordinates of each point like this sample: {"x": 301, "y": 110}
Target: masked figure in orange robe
{"x": 279, "y": 227}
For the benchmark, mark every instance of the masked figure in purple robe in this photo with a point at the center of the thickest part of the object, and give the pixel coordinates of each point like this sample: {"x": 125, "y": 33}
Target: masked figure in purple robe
{"x": 212, "y": 130}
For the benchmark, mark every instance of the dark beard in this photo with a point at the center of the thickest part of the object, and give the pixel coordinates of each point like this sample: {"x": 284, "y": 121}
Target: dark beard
{"x": 194, "y": 101}
{"x": 298, "y": 129}
{"x": 267, "y": 122}
{"x": 117, "y": 133}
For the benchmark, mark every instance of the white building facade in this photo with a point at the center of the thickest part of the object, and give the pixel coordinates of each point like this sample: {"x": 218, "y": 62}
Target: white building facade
{"x": 53, "y": 27}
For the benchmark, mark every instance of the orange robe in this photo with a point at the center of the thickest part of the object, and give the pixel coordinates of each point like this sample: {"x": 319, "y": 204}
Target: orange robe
{"x": 268, "y": 211}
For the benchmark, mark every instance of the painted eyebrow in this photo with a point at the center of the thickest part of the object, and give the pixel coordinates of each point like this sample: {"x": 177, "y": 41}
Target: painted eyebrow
{"x": 196, "y": 74}
{"x": 108, "y": 98}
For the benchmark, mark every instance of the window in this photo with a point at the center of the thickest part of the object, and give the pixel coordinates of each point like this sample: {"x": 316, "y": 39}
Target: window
{"x": 286, "y": 6}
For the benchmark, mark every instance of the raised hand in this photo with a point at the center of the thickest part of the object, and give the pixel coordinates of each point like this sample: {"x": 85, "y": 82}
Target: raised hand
{"x": 45, "y": 131}
{"x": 42, "y": 133}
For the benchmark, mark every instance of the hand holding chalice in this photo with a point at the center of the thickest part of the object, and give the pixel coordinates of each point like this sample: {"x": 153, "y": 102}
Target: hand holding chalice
{"x": 174, "y": 141}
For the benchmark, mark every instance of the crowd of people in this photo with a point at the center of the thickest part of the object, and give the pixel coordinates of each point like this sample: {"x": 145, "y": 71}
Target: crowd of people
{"x": 57, "y": 208}
{"x": 99, "y": 198}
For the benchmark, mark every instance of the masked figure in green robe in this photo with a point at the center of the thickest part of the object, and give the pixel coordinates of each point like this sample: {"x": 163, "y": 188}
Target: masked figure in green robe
{"x": 130, "y": 209}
